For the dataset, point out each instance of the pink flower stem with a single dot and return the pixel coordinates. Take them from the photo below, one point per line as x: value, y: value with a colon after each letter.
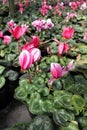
x: 29, y: 78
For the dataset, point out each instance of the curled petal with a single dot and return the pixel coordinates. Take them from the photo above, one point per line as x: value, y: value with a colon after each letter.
x: 70, y: 65
x: 51, y: 80
x: 56, y: 70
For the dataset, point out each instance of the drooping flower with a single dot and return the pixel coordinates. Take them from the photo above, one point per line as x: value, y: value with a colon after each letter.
x: 57, y: 71
x: 62, y: 48
x: 36, y: 55
x: 68, y: 32
x: 25, y: 60
x: 6, y: 39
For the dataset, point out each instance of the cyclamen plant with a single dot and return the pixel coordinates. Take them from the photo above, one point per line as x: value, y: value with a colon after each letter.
x: 47, y: 52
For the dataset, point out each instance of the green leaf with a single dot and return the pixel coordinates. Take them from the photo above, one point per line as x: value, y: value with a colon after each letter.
x: 20, y: 93
x: 2, y: 68
x: 2, y: 81
x: 44, y: 91
x: 35, y: 104
x: 23, y: 82
x: 41, y: 123
x: 83, y: 122
x: 57, y: 85
x: 78, y: 102
x: 72, y: 126
x: 12, y: 75
x: 62, y: 99
x: 62, y: 117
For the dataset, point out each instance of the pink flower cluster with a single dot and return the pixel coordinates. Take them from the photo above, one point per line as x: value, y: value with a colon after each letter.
x: 74, y: 5
x: 57, y: 71
x: 83, y: 6
x: 60, y: 6
x: 17, y: 30
x: 42, y: 24
x: 45, y: 8
x: 30, y: 53
x: 70, y: 16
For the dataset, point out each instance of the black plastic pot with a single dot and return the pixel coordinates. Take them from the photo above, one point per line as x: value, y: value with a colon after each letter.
x: 5, y: 97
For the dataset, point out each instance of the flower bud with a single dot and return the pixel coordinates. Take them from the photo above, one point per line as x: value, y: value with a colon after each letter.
x: 25, y: 59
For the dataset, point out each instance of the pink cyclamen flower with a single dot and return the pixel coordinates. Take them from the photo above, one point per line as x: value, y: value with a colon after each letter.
x: 25, y: 60
x: 57, y: 71
x: 85, y: 35
x: 68, y: 32
x: 39, y: 24
x: 6, y: 39
x: 45, y: 8
x: 48, y: 24
x: 19, y: 31
x: 63, y: 48
x: 1, y: 34
x: 11, y: 23
x: 73, y: 5
x: 35, y: 41
x: 36, y: 55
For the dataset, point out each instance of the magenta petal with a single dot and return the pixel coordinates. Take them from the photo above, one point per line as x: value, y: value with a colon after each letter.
x: 56, y: 70
x: 51, y: 80
x: 60, y: 48
x: 25, y: 59
x: 70, y: 65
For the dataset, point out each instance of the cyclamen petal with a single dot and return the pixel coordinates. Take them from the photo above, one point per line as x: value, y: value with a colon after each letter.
x: 25, y: 60
x: 68, y: 32
x: 70, y: 65
x: 56, y: 70
x: 60, y: 48
x: 36, y: 54
x: 6, y: 39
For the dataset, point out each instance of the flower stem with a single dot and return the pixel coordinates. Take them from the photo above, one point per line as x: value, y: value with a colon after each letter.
x: 29, y: 78
x: 35, y: 70
x: 50, y: 87
x: 19, y: 47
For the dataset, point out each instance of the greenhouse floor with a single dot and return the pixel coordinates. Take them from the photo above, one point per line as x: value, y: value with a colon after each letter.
x: 15, y: 112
